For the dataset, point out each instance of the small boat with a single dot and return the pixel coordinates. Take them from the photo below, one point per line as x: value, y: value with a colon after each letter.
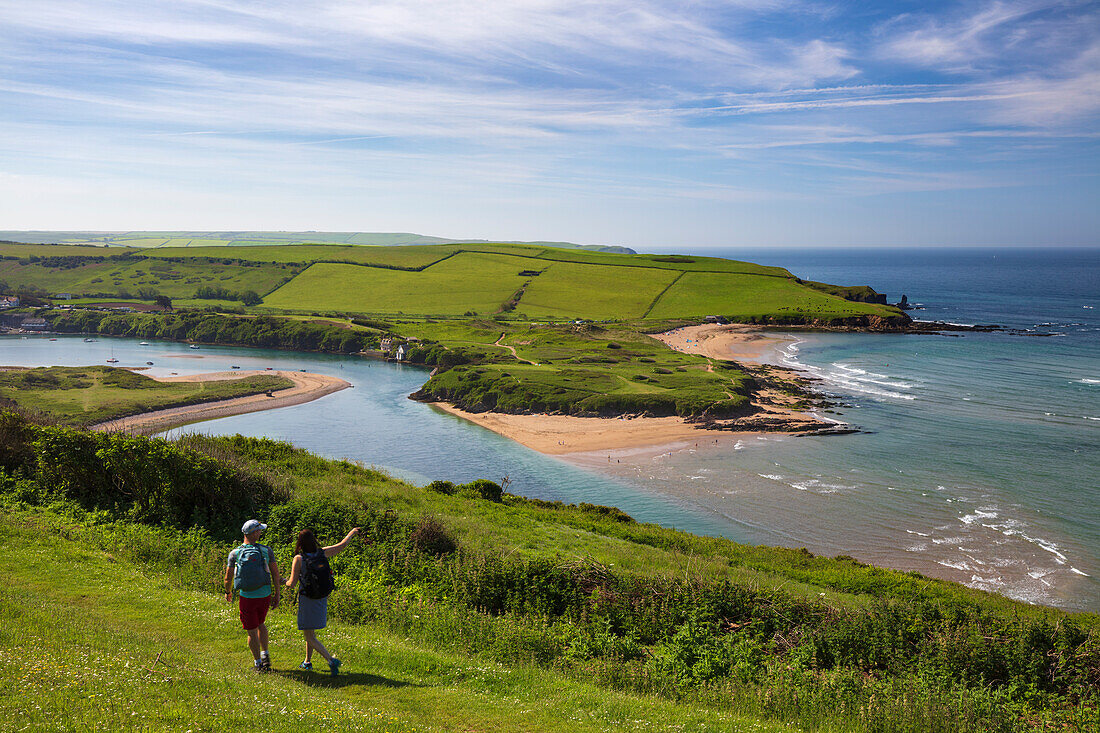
x: 234, y: 367
x: 53, y: 339
x: 143, y: 343
x: 269, y: 369
x: 193, y: 346
x: 112, y: 360
x: 149, y: 363
x: 90, y: 341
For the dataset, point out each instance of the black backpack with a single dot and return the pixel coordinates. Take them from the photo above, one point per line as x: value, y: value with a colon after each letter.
x: 317, y: 580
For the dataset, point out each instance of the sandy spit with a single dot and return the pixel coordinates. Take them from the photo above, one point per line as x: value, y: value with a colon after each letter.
x: 307, y: 387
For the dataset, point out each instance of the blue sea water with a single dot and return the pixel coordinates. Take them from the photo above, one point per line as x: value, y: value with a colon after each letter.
x: 982, y: 453
x: 979, y: 462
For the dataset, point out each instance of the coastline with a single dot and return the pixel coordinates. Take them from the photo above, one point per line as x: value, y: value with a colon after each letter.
x: 308, y: 386
x: 565, y: 435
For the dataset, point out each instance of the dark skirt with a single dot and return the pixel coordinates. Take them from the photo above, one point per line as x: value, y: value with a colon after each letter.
x: 312, y: 613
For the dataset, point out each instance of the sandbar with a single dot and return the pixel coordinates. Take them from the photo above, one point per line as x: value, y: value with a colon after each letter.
x: 307, y: 387
x: 562, y: 434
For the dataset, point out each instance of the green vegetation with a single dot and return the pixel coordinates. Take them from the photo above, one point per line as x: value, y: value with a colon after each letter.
x: 454, y: 279
x: 540, y: 353
x: 643, y: 626
x: 127, y: 275
x: 213, y: 328
x: 95, y: 394
x: 585, y: 370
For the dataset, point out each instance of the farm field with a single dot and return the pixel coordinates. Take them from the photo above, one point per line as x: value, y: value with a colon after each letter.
x: 94, y: 394
x: 752, y: 297
x: 474, y: 282
x: 128, y: 276
x: 412, y: 256
x: 444, y: 280
x: 577, y: 290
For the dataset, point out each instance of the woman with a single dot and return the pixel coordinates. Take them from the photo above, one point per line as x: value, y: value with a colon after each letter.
x: 313, y: 612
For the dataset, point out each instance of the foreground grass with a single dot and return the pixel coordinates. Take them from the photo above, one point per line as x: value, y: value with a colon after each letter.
x: 91, y: 643
x: 93, y: 394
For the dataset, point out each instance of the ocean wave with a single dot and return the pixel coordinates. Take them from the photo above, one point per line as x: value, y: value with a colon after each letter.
x: 1079, y: 572
x: 771, y: 476
x: 954, y: 565
x: 862, y: 375
x: 1089, y: 381
x: 978, y: 514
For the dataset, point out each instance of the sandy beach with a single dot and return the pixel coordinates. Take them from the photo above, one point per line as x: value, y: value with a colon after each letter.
x: 562, y: 434
x: 307, y: 387
x: 730, y: 342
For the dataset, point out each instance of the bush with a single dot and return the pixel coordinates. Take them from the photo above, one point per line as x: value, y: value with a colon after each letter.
x: 481, y: 488
x: 432, y: 538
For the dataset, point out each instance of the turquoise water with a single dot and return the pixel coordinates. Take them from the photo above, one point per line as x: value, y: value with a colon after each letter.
x: 373, y: 423
x: 979, y: 463
x: 983, y: 449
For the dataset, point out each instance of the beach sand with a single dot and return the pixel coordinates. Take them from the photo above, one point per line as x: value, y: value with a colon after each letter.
x: 729, y: 342
x: 565, y: 434
x: 307, y: 387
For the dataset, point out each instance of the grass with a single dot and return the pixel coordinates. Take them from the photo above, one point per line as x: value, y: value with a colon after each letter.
x: 611, y: 624
x: 567, y: 289
x: 446, y: 280
x: 174, y: 279
x: 748, y: 297
x: 88, y: 643
x: 94, y: 394
x: 474, y: 282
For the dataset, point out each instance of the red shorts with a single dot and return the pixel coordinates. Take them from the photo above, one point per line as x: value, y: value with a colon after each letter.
x: 254, y: 611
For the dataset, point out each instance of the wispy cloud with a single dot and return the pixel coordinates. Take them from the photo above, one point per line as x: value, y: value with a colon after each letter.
x: 636, y: 99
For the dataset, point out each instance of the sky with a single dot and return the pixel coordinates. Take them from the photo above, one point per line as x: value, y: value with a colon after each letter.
x: 677, y: 124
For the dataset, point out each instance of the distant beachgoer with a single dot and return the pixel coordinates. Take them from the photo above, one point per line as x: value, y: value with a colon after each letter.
x: 311, y: 567
x: 253, y: 573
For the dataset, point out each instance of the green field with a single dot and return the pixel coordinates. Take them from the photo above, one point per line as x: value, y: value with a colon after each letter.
x: 749, y: 297
x: 94, y: 394
x: 128, y: 276
x: 445, y: 280
x: 475, y: 282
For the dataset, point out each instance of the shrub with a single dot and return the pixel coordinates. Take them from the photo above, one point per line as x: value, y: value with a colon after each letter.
x: 432, y: 538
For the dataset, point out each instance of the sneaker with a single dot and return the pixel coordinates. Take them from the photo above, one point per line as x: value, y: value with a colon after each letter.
x: 258, y: 666
x: 265, y: 664
x: 334, y: 666
x: 307, y: 666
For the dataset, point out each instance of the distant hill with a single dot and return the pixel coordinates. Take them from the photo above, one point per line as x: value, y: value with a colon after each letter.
x: 146, y: 239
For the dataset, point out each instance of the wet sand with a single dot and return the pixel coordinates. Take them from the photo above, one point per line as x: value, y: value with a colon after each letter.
x: 307, y: 387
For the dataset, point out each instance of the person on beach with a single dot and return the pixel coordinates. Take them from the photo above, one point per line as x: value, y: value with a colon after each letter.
x: 253, y: 573
x: 311, y: 567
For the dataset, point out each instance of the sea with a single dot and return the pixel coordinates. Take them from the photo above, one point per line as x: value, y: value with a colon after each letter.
x: 977, y: 461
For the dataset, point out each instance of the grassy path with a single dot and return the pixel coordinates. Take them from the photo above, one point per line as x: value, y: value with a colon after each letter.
x: 89, y: 643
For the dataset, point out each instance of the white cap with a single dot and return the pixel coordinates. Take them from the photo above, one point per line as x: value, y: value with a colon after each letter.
x: 253, y: 525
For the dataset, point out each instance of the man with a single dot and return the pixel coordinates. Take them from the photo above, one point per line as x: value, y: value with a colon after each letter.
x: 254, y: 574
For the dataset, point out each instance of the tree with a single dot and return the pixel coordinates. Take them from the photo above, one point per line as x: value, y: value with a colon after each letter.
x: 250, y: 297
x: 164, y: 302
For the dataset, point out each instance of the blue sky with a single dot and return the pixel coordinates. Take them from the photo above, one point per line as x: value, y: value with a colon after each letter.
x: 649, y: 124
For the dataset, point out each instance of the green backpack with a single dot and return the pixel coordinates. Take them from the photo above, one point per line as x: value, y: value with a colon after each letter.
x: 251, y: 573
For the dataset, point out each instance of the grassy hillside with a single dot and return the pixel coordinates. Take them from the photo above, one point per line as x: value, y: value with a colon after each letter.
x: 94, y: 394
x: 619, y: 624
x: 533, y: 281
